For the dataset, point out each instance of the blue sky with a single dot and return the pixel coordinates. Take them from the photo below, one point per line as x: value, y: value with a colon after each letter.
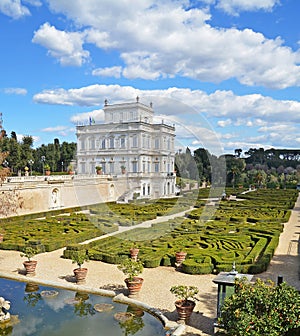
x: 225, y: 72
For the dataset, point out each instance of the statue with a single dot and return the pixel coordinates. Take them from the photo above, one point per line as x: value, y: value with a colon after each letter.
x: 4, y: 307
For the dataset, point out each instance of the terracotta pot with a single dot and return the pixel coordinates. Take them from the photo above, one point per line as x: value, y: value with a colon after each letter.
x: 47, y: 172
x: 80, y: 275
x: 180, y: 257
x: 1, y: 237
x: 134, y: 286
x: 30, y: 266
x: 184, y: 309
x: 134, y: 253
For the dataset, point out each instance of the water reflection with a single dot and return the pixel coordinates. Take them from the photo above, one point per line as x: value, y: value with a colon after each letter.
x: 71, y: 313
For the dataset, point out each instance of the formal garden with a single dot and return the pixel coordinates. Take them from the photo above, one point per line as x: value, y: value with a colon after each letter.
x: 213, y: 233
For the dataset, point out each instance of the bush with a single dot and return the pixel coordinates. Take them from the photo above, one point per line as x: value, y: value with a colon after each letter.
x: 260, y: 309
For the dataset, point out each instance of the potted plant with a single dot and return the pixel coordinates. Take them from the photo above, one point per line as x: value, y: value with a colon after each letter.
x: 98, y: 170
x: 70, y: 170
x: 79, y: 257
x: 132, y: 268
x: 180, y: 255
x: 134, y: 251
x: 123, y: 169
x: 29, y: 264
x: 47, y: 169
x: 185, y: 304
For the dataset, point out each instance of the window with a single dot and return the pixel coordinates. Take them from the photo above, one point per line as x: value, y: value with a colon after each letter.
x: 111, y: 142
x: 156, y: 167
x: 92, y: 143
x: 134, y: 167
x: 134, y: 141
x: 92, y: 167
x: 103, y: 146
x: 82, y: 144
x: 111, y: 167
x: 82, y: 167
x: 122, y: 142
x: 156, y: 143
x: 144, y: 141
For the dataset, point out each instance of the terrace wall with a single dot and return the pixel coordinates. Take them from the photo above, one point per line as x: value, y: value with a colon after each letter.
x: 39, y: 194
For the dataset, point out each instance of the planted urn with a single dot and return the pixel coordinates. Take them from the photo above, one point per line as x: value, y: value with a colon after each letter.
x: 185, y: 303
x: 80, y: 273
x: 30, y: 265
x: 132, y: 268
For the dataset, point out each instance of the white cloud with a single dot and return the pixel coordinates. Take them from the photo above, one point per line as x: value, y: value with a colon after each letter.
x: 21, y: 136
x: 165, y: 39
x: 17, y: 91
x: 65, y: 46
x: 233, y: 7
x: 36, y: 3
x: 190, y: 111
x: 217, y: 104
x: 224, y: 123
x: 13, y: 9
x: 108, y: 72
x: 84, y: 118
x: 54, y: 129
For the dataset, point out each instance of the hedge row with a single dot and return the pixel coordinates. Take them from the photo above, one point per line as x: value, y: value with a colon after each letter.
x: 212, y: 245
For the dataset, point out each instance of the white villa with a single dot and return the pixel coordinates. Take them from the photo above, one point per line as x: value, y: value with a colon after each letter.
x: 129, y: 146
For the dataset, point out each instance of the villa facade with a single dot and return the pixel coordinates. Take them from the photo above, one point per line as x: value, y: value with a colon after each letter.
x: 131, y: 146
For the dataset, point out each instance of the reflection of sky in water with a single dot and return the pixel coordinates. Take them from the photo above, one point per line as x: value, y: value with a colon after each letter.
x: 54, y: 316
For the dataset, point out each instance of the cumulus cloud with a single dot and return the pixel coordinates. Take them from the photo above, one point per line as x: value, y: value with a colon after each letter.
x: 85, y: 117
x: 108, y: 72
x: 193, y: 111
x: 233, y: 7
x: 224, y: 123
x: 166, y: 39
x: 64, y: 46
x: 221, y: 104
x: 13, y: 9
x: 17, y: 91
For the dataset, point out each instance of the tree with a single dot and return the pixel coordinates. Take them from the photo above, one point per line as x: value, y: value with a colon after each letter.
x: 238, y: 152
x: 260, y: 309
x: 10, y: 200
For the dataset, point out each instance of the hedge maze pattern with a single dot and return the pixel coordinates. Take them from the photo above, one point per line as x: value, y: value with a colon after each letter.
x: 214, y: 234
x: 244, y: 231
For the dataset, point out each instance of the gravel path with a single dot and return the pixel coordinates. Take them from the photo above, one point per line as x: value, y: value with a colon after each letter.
x: 157, y: 282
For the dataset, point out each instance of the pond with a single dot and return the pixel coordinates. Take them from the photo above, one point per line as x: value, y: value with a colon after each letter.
x: 45, y: 311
